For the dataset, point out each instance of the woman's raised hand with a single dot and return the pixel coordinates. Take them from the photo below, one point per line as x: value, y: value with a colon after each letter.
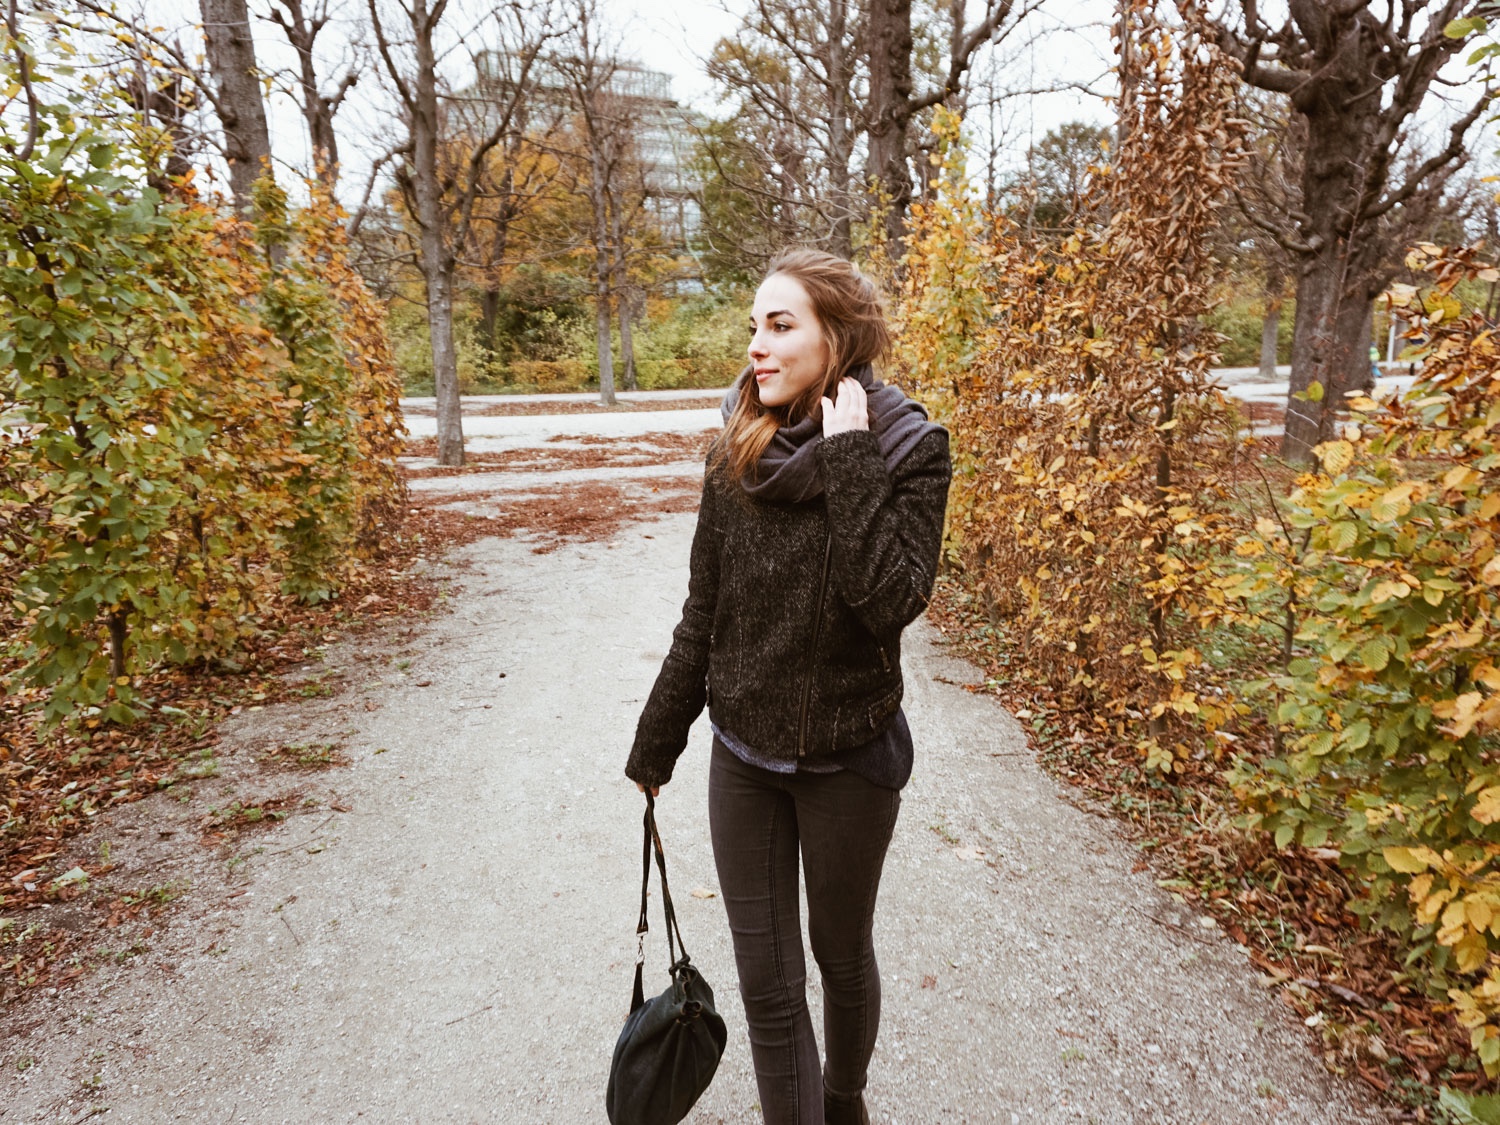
x: 850, y: 412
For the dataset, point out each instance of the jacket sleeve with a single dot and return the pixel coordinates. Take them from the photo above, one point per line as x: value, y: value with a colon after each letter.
x: 681, y: 688
x: 887, y: 526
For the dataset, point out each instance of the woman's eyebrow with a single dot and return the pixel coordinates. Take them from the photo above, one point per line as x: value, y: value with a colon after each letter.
x: 778, y: 312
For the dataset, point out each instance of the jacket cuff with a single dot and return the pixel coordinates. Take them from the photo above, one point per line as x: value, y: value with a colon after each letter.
x: 850, y: 447
x: 648, y: 770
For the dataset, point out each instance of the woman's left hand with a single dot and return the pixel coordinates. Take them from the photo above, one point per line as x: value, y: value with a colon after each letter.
x: 850, y: 412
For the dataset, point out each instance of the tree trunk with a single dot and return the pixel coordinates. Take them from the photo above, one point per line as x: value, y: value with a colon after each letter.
x: 437, y: 261
x: 603, y: 268
x: 1328, y: 348
x: 117, y: 637
x: 890, y: 38
x: 1270, y: 325
x: 317, y: 110
x: 601, y: 334
x: 489, y: 318
x: 489, y: 302
x: 840, y: 135
x: 627, y: 343
x: 622, y: 296
x: 242, y: 112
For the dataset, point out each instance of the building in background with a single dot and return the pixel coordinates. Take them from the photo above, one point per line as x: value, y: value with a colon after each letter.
x: 661, y: 134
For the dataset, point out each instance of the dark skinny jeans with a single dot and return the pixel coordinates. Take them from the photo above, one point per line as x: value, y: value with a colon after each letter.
x: 842, y: 824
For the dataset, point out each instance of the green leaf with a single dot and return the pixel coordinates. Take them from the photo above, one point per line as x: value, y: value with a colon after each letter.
x: 1284, y: 835
x: 1342, y: 536
x: 1374, y: 654
x: 1356, y: 735
x: 1472, y: 1109
x: 1461, y: 28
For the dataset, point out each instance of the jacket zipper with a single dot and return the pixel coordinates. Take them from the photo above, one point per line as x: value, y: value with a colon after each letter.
x: 812, y: 655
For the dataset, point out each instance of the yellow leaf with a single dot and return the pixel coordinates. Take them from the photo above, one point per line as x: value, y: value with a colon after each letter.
x: 1491, y: 572
x: 1486, y: 809
x: 1471, y: 953
x: 1057, y: 464
x: 1336, y: 456
x: 1386, y: 590
x: 1454, y: 917
x: 1430, y: 906
x: 1396, y: 502
x: 1463, y: 711
x: 1458, y: 476
x: 1405, y: 860
x: 1401, y: 294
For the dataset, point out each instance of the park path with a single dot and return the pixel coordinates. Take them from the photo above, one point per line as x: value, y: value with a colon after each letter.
x: 450, y: 938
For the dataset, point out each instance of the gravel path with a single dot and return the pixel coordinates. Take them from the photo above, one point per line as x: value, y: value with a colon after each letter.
x: 449, y: 938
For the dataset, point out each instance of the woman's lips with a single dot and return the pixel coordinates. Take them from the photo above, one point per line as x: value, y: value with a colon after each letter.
x: 762, y: 376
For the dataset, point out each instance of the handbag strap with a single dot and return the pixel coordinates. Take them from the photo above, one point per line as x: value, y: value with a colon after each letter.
x: 653, y: 843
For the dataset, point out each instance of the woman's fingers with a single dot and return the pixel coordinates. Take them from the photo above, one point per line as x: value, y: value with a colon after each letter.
x: 850, y: 412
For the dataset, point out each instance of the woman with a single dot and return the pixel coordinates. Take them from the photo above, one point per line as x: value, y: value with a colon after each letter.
x: 817, y: 542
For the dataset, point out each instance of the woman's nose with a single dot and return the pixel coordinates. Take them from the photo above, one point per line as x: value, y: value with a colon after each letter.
x: 758, y: 347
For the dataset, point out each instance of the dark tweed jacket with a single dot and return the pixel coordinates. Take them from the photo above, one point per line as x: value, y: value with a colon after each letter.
x: 791, y: 632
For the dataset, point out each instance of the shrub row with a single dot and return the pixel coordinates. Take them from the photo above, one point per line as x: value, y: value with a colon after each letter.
x: 200, y: 416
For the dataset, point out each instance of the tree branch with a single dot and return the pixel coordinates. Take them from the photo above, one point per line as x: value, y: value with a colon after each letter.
x: 1455, y: 154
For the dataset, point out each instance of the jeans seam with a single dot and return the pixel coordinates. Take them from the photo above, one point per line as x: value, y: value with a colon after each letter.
x: 867, y: 910
x: 784, y: 988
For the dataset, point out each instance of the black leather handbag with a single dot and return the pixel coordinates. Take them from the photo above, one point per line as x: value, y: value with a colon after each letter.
x: 671, y: 1044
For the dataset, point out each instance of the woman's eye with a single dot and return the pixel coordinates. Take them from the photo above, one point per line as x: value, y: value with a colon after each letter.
x: 783, y: 327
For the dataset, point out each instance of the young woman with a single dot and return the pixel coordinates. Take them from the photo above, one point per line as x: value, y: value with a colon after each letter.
x: 817, y: 542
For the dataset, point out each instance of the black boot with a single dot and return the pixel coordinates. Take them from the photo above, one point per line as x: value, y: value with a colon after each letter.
x: 844, y: 1111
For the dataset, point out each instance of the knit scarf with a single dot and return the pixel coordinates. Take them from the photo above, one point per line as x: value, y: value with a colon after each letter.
x: 788, y: 470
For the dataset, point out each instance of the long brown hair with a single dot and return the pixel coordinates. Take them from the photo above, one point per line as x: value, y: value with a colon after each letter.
x: 849, y: 312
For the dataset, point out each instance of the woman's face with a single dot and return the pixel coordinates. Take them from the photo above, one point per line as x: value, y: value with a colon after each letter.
x: 787, y: 347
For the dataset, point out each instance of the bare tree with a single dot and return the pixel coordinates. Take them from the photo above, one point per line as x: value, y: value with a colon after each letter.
x: 895, y: 102
x: 591, y: 68
x: 797, y: 71
x: 1356, y: 80
x: 820, y: 83
x: 242, y: 110
x: 443, y: 206
x: 302, y: 28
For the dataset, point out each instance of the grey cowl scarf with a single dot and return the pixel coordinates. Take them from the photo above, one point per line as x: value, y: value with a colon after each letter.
x: 788, y: 470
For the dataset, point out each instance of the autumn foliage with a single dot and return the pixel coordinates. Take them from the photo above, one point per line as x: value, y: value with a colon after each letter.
x: 1388, y: 712
x: 200, y: 415
x: 1314, y: 654
x: 1090, y: 441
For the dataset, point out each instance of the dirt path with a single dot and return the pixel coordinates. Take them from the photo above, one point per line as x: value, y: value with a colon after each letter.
x: 444, y: 932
